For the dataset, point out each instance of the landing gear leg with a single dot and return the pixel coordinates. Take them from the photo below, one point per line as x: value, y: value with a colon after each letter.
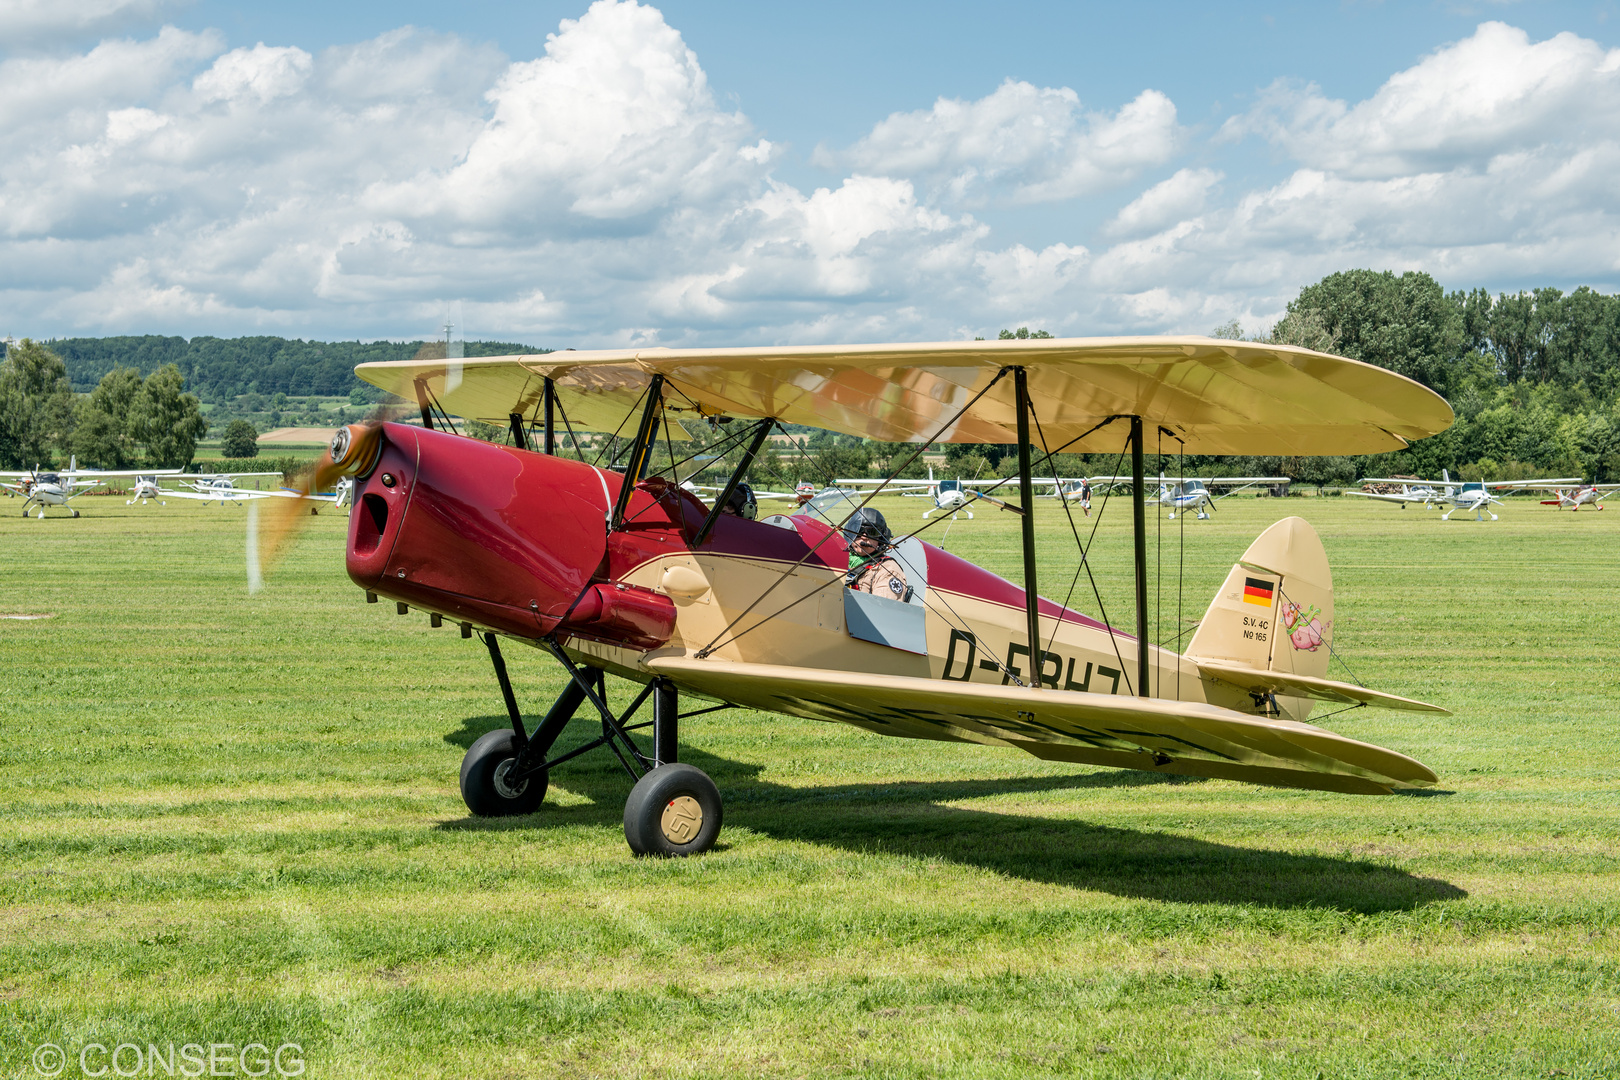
x: 497, y: 775
x: 675, y: 809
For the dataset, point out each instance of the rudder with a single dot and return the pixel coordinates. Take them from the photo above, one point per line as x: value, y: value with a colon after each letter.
x: 1274, y: 612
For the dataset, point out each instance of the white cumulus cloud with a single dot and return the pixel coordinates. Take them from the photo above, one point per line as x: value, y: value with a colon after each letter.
x: 1166, y: 202
x: 1025, y: 143
x: 1494, y: 93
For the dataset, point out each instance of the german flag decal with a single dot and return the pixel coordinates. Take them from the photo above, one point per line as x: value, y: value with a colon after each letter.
x: 1257, y: 591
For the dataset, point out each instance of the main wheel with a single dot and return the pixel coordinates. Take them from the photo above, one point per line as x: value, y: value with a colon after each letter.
x: 484, y: 785
x: 673, y: 810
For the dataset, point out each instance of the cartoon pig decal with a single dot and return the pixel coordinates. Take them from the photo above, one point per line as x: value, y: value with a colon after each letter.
x: 1305, y: 628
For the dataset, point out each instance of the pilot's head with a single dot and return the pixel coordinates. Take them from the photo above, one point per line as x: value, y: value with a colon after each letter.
x: 867, y: 532
x: 741, y: 503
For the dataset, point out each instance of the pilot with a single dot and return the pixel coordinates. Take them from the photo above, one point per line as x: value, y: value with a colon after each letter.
x: 872, y: 565
x: 742, y: 503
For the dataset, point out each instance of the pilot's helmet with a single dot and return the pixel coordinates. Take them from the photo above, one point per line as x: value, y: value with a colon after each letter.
x: 742, y: 503
x: 867, y: 522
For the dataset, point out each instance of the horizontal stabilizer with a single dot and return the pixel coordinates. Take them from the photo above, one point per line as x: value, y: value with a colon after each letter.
x: 1282, y: 682
x: 1154, y: 735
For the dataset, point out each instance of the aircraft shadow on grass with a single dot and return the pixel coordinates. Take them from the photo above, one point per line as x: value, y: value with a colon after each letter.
x: 910, y: 818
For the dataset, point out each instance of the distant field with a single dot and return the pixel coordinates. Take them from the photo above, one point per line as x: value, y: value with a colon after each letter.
x: 298, y: 436
x: 234, y: 819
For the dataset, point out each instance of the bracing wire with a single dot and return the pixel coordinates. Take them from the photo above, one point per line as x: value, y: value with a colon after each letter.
x: 612, y: 441
x: 1333, y: 653
x: 707, y: 649
x: 1085, y: 561
x: 578, y: 453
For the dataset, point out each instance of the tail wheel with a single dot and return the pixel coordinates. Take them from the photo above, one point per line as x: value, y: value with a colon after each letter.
x: 486, y: 784
x: 673, y: 810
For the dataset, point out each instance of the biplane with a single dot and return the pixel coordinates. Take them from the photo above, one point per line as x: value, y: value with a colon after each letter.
x: 622, y: 573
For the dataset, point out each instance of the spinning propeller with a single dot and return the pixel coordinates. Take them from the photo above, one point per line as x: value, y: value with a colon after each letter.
x: 353, y: 452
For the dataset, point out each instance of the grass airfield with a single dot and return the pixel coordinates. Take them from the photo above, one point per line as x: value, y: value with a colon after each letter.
x: 234, y: 819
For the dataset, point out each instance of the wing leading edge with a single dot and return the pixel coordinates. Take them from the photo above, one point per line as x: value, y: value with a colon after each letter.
x: 1177, y: 737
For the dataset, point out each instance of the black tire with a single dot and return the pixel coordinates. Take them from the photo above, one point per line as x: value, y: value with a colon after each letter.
x: 483, y: 786
x: 673, y: 810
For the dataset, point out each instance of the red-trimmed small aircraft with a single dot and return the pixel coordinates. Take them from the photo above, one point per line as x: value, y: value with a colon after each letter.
x: 617, y: 572
x: 1579, y: 496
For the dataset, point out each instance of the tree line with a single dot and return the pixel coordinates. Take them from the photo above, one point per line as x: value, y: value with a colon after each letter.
x: 221, y: 369
x: 1534, y: 377
x: 131, y: 402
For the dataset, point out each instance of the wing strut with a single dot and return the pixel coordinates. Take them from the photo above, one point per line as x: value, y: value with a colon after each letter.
x: 1026, y: 494
x: 640, y: 451
x: 550, y: 407
x: 761, y: 430
x: 422, y: 400
x: 1139, y: 523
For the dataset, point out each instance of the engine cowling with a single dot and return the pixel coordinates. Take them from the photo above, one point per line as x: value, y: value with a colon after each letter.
x: 481, y: 533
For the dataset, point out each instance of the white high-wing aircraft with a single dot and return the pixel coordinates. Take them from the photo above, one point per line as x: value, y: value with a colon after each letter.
x: 1577, y: 497
x: 44, y: 489
x: 1421, y: 492
x: 1464, y: 495
x: 950, y: 496
x: 221, y: 488
x: 1183, y: 494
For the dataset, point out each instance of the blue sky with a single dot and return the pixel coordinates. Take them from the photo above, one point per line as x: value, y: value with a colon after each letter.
x: 727, y: 172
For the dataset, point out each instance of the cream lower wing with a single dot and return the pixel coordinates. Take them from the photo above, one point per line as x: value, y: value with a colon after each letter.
x: 1185, y: 738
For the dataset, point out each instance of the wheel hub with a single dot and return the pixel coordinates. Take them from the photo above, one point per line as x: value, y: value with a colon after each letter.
x: 682, y: 820
x: 504, y: 789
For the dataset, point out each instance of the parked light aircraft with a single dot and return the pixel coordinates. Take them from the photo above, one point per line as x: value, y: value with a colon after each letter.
x: 1421, y: 492
x: 1463, y: 495
x: 145, y: 490
x: 1577, y: 497
x: 44, y: 489
x: 1183, y: 495
x: 221, y: 488
x: 952, y: 496
x: 622, y: 574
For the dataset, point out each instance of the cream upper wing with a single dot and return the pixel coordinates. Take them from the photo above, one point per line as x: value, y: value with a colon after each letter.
x: 1125, y: 732
x: 1218, y: 396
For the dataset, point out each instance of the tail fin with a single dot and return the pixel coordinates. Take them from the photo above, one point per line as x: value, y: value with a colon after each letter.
x: 1275, y: 610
